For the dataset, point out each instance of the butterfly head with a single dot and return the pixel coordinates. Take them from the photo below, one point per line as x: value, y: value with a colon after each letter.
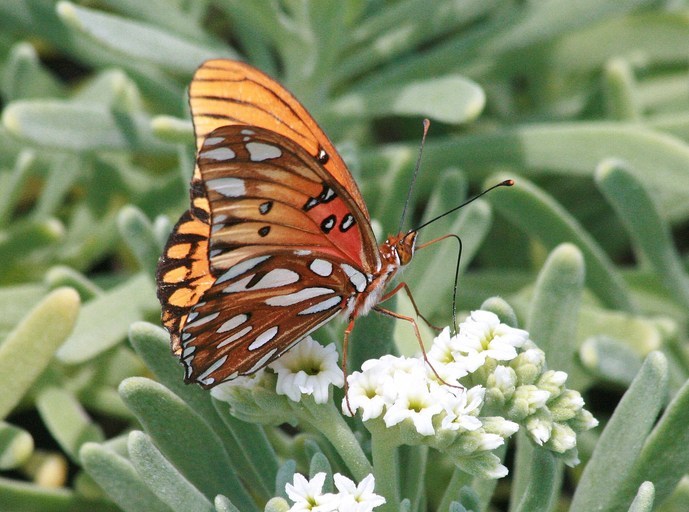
x: 401, y: 247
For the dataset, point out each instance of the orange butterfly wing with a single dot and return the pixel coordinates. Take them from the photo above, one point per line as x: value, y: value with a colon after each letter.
x: 223, y: 93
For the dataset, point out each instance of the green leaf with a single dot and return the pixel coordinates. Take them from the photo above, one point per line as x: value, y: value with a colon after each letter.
x: 250, y: 440
x: 502, y: 309
x: 539, y: 215
x: 28, y: 349
x: 16, y: 446
x: 285, y: 476
x: 664, y: 459
x: 450, y: 99
x: 554, y: 309
x: 139, y: 41
x: 172, y: 129
x: 63, y: 125
x: 557, y: 149
x: 62, y: 174
x: 538, y: 495
x: 650, y: 232
x: 24, y: 238
x: 66, y: 276
x: 137, y: 232
x: 641, y: 334
x: 173, y: 17
x: 12, y: 185
x: 619, y: 91
x: 610, y: 359
x: 104, y: 321
x: 320, y: 464
x: 655, y: 34
x: 66, y: 420
x: 25, y: 77
x: 15, y: 301
x: 645, y: 497
x: 223, y: 504
x: 621, y: 443
x: 118, y: 478
x: 252, y: 457
x: 402, y: 26
x: 19, y: 496
x: 162, y: 477
x: 185, y: 439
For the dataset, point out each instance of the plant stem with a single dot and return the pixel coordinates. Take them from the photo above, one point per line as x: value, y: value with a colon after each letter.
x: 386, y: 468
x: 327, y: 419
x: 459, y: 479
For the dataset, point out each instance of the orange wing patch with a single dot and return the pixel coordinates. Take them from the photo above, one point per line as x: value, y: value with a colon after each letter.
x: 183, y: 273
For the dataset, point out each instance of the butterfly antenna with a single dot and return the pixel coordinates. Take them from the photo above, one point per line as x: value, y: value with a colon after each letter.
x: 506, y: 183
x: 426, y: 126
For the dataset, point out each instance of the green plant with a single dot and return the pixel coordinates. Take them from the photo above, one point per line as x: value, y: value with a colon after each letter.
x: 583, y: 103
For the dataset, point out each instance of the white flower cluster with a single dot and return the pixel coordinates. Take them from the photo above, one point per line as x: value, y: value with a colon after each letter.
x: 407, y: 394
x: 481, y: 384
x: 519, y: 387
x: 500, y: 379
x: 308, y: 495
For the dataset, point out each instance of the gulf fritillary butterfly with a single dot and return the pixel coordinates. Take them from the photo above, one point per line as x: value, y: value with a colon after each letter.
x: 277, y: 240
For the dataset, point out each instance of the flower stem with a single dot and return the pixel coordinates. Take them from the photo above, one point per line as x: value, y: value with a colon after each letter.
x: 459, y: 479
x: 413, y: 473
x: 327, y: 420
x: 386, y: 468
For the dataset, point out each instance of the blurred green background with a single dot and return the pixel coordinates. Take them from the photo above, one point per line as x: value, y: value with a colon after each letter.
x: 585, y: 104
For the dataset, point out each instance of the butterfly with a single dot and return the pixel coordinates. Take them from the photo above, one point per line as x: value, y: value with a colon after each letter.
x: 277, y: 240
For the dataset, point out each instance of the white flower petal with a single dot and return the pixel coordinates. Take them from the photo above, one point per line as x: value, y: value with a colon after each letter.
x: 308, y: 369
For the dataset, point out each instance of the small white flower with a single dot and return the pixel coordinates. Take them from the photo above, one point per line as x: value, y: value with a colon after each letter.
x: 225, y: 390
x: 499, y: 425
x: 462, y: 408
x: 483, y: 333
x: 528, y: 399
x: 307, y: 495
x: 563, y: 438
x: 536, y: 357
x: 357, y: 498
x: 415, y: 401
x: 540, y: 429
x: 487, y: 442
x: 447, y: 361
x: 583, y: 421
x: 442, y: 349
x: 308, y: 369
x: 366, y: 393
x: 505, y: 379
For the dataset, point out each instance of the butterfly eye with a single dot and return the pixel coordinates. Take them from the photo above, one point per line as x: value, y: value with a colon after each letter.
x: 405, y: 247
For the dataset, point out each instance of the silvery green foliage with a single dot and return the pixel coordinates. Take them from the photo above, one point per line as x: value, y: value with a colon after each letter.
x: 583, y: 103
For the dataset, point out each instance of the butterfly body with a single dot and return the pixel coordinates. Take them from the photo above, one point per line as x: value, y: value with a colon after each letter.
x: 277, y: 240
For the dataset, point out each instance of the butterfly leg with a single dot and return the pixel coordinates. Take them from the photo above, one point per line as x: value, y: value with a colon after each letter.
x: 392, y: 314
x: 454, y: 288
x: 405, y: 286
x: 345, y: 344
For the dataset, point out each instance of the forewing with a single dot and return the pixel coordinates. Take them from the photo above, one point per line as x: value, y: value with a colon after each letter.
x: 225, y: 92
x: 266, y: 193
